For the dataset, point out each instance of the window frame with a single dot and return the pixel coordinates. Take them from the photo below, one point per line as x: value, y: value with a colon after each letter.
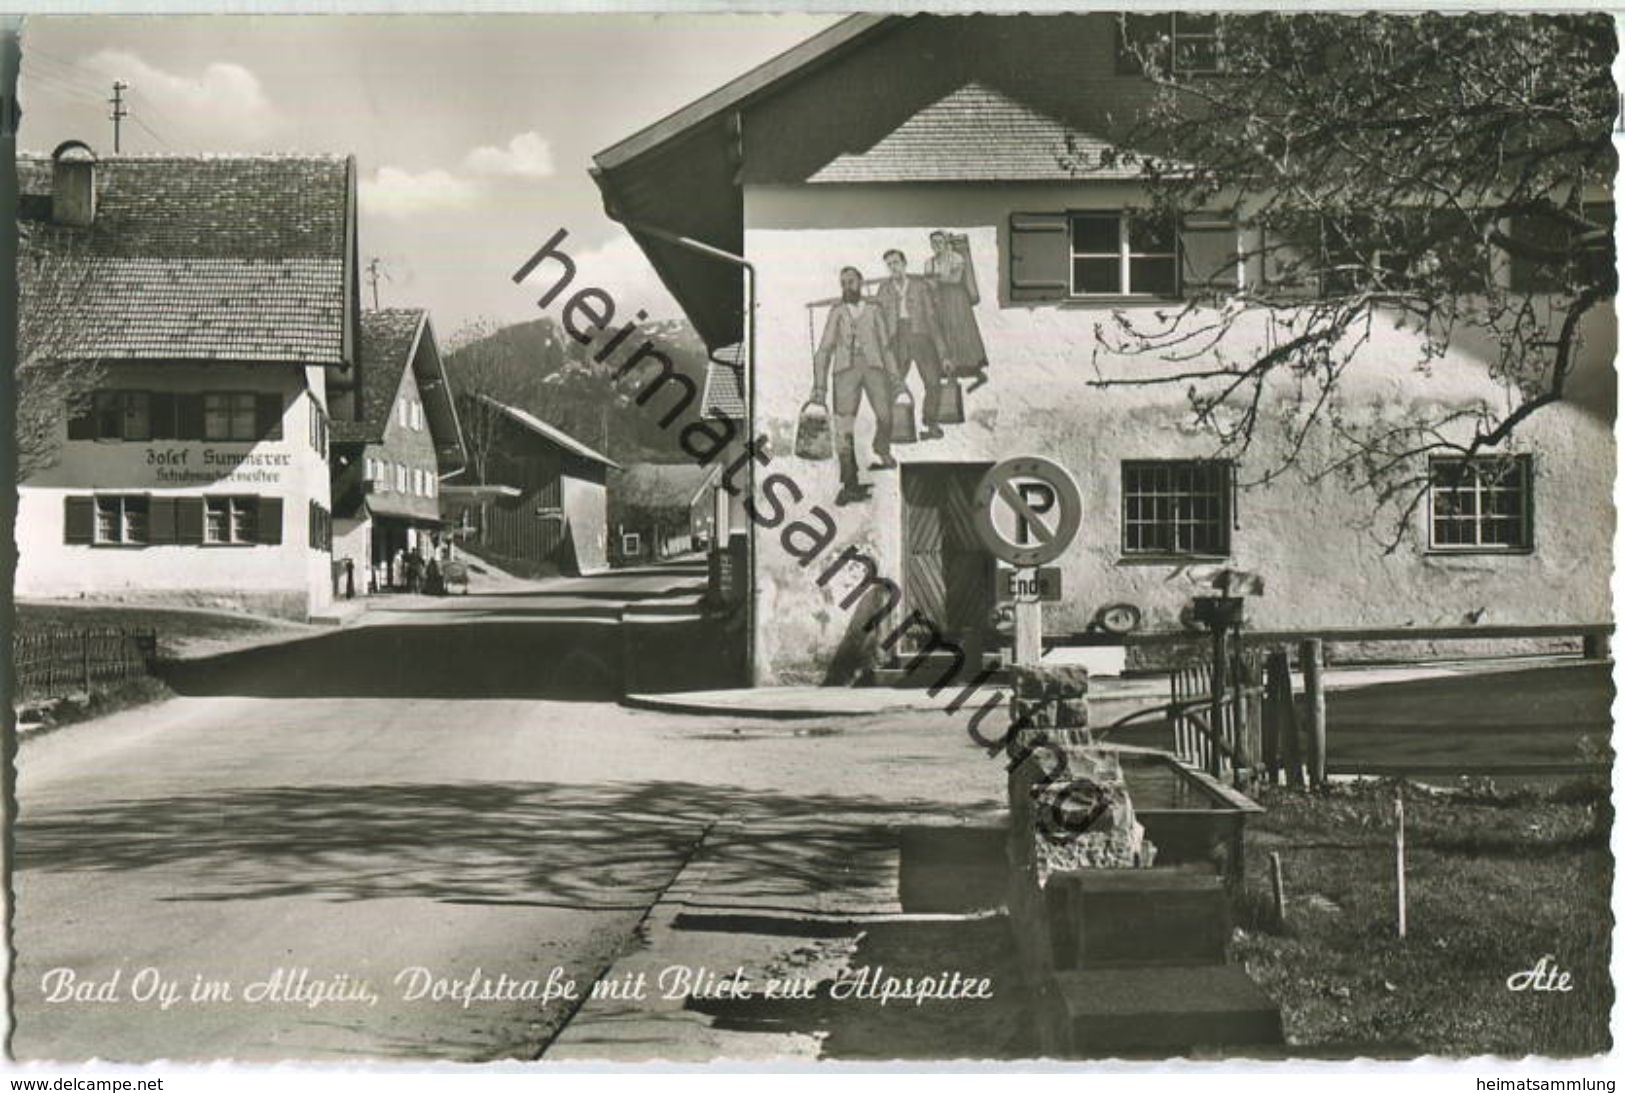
x: 1128, y: 64
x: 1125, y: 255
x: 1223, y: 522
x: 1524, y: 519
x: 236, y: 404
x: 239, y: 509
x: 126, y: 504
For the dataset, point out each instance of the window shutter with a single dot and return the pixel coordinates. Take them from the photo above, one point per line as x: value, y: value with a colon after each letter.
x: 161, y: 520
x: 1209, y: 255
x: 1289, y: 263
x: 268, y: 417
x: 270, y: 520
x: 163, y: 415
x: 189, y: 424
x: 78, y: 519
x: 82, y: 422
x: 1040, y: 252
x: 189, y: 518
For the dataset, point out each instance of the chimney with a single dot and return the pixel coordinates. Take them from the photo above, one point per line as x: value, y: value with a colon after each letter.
x: 73, y: 184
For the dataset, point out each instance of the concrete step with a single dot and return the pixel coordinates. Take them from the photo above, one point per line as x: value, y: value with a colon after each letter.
x: 1162, y: 1011
x: 1102, y: 918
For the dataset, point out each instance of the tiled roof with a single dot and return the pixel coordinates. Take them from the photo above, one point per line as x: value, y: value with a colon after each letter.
x: 387, y: 337
x: 206, y: 309
x: 725, y: 384
x: 976, y: 134
x: 205, y: 257
x: 551, y: 432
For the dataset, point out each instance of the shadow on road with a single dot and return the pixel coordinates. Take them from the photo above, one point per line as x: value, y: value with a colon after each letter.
x: 606, y: 847
x: 572, y: 661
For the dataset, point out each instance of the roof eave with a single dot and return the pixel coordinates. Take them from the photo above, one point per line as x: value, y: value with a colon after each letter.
x: 737, y: 92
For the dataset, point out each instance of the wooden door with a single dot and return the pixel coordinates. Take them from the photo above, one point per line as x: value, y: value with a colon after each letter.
x: 947, y: 574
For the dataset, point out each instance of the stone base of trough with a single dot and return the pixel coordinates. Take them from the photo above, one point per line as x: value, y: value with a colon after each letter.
x: 1160, y: 1011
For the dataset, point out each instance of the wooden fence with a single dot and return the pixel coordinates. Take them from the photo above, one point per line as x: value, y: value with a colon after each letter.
x: 56, y: 663
x: 1235, y: 748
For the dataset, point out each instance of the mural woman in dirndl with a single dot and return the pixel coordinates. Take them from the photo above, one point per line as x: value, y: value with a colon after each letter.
x: 951, y: 274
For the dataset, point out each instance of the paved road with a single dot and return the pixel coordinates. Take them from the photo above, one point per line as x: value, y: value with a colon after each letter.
x: 448, y: 786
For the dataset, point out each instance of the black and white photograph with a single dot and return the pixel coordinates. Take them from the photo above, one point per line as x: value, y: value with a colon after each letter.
x: 790, y: 538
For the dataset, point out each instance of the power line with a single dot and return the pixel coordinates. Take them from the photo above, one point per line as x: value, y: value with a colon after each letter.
x: 152, y: 133
x: 58, y: 86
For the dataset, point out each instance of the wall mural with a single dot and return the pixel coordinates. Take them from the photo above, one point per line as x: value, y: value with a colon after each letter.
x: 877, y: 335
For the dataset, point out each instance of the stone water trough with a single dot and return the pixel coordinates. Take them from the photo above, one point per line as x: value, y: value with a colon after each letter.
x: 1123, y: 864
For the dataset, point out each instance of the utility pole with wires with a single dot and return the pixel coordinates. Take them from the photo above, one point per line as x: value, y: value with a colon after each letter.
x: 375, y: 273
x: 119, y: 113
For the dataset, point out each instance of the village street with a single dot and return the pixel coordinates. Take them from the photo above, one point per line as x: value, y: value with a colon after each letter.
x: 448, y: 786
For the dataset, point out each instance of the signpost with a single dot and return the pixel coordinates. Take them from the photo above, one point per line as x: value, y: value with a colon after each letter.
x: 1028, y: 510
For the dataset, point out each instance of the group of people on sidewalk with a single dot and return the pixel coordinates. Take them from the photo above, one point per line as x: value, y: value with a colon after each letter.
x: 923, y: 323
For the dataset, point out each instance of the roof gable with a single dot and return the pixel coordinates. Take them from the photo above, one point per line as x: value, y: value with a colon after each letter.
x: 388, y: 336
x: 552, y: 433
x: 977, y: 134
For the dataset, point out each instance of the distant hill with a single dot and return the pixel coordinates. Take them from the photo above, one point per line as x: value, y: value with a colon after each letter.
x: 536, y: 366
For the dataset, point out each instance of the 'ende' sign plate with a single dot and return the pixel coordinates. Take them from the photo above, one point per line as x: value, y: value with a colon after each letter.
x: 1042, y: 585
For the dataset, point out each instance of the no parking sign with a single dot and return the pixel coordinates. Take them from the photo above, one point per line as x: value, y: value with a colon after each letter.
x: 1028, y: 509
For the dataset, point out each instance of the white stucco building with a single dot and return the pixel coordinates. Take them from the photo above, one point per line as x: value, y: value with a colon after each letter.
x: 219, y: 295
x: 883, y: 131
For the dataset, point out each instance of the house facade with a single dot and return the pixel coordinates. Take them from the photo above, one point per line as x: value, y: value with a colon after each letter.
x: 217, y: 295
x: 650, y: 511
x: 388, y: 464
x: 955, y: 154
x: 535, y: 499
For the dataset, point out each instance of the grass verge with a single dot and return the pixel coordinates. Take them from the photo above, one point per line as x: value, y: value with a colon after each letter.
x: 182, y: 632
x: 1495, y: 880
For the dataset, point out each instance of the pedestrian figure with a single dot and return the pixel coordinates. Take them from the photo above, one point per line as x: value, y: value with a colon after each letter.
x: 854, y: 348
x: 915, y: 335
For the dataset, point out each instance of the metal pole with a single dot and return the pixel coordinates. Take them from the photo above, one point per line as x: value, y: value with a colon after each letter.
x: 749, y: 377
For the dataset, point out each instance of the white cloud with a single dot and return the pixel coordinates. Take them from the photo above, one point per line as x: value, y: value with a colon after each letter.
x: 396, y: 192
x: 222, y: 100
x: 526, y: 156
x: 620, y: 268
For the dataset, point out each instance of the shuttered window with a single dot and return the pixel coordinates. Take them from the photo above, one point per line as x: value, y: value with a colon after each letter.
x: 321, y: 527
x: 109, y: 519
x: 167, y: 415
x: 1592, y: 263
x: 1109, y: 253
x: 242, y: 520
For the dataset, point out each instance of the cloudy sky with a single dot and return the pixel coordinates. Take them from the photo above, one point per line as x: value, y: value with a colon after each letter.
x: 473, y: 134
